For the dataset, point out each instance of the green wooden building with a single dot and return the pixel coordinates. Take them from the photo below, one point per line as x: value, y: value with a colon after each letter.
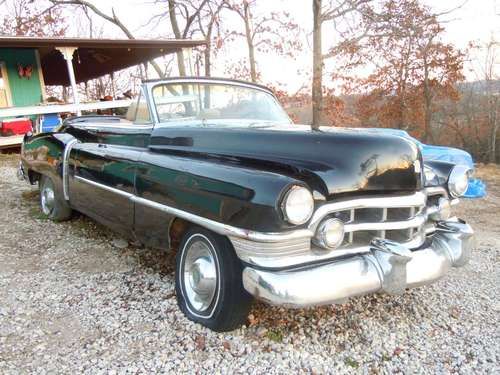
x: 21, y: 78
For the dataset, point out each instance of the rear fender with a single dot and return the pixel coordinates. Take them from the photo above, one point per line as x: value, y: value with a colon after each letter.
x: 43, y: 154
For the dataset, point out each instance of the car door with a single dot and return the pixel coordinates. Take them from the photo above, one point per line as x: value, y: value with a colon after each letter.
x: 105, y: 165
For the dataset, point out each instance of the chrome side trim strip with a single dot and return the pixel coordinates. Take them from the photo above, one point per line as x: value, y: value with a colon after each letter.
x: 104, y: 187
x: 213, y: 225
x: 65, y: 169
x: 225, y: 229
x: 103, y: 126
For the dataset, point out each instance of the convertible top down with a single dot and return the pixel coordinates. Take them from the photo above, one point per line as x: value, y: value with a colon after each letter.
x: 254, y: 205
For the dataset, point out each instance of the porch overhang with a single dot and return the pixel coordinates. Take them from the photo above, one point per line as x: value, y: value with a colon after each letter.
x: 94, y: 58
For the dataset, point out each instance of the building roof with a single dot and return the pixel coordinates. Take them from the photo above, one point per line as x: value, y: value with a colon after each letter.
x: 95, y: 57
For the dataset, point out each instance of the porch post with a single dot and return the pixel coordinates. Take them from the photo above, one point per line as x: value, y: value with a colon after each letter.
x: 67, y: 53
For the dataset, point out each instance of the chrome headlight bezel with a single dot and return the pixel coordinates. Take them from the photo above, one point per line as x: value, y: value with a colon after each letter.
x: 330, y: 234
x: 297, y: 205
x: 458, y: 180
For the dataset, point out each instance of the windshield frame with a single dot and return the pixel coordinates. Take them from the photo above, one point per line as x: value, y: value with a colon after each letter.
x: 152, y: 84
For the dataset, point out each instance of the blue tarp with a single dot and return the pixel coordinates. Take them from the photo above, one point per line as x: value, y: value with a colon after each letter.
x: 477, y: 188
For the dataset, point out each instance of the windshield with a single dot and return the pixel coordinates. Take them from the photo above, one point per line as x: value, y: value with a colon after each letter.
x: 215, y: 101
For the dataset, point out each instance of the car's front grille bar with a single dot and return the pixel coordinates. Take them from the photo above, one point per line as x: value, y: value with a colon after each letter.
x: 417, y: 199
x: 382, y: 226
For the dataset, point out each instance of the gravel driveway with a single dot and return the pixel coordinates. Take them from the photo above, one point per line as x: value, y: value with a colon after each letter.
x: 74, y: 298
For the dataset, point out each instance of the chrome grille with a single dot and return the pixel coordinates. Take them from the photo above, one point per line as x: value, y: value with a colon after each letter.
x: 397, y: 224
x: 399, y: 218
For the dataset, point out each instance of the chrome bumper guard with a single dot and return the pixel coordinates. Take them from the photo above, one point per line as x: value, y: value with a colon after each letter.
x: 389, y: 267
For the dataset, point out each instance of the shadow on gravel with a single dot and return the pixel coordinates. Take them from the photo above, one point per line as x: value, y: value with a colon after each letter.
x: 347, y: 316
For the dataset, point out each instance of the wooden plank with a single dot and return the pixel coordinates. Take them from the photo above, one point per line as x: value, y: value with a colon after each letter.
x: 62, y: 108
x: 12, y: 141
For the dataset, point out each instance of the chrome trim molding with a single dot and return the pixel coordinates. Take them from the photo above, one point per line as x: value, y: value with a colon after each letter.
x: 225, y: 229
x: 103, y: 126
x: 65, y: 168
x: 388, y: 267
x: 152, y: 84
x: 104, y: 187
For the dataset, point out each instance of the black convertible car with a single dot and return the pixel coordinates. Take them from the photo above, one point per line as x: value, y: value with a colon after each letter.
x: 254, y: 205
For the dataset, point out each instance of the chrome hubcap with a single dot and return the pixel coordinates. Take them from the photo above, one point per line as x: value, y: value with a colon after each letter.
x: 47, y: 200
x: 200, y: 275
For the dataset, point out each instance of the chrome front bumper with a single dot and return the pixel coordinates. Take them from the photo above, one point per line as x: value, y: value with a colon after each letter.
x: 389, y: 267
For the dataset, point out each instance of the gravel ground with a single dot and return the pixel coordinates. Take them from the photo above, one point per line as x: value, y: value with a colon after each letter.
x: 75, y: 299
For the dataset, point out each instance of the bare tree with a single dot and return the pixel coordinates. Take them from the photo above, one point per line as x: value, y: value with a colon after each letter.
x: 208, y: 22
x: 113, y: 18
x: 175, y: 6
x: 243, y: 10
x: 187, y: 19
x: 333, y: 11
x: 264, y: 32
x: 492, y: 95
x: 27, y: 18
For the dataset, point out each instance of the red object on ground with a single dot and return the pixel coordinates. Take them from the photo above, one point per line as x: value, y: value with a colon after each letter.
x: 15, y: 126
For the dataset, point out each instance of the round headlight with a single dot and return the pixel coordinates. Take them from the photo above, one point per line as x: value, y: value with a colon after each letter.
x: 458, y: 182
x: 298, y: 205
x: 330, y: 234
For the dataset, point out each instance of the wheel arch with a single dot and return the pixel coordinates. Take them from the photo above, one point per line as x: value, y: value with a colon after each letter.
x: 177, y: 228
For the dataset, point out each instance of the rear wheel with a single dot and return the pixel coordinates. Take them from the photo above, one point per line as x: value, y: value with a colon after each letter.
x: 52, y: 204
x: 208, y: 281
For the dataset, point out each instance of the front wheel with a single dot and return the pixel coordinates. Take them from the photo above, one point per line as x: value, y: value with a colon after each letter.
x: 208, y: 281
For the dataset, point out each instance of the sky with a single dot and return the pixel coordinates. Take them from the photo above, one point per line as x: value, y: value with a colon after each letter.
x: 470, y: 20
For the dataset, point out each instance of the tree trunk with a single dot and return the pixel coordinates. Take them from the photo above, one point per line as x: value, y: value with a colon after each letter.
x: 251, y: 47
x: 175, y: 28
x: 208, y: 49
x: 317, y: 85
x: 493, y: 117
x: 207, y: 74
x: 207, y: 53
x: 427, y: 104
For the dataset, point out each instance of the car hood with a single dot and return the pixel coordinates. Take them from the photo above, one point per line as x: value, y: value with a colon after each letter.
x: 330, y: 160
